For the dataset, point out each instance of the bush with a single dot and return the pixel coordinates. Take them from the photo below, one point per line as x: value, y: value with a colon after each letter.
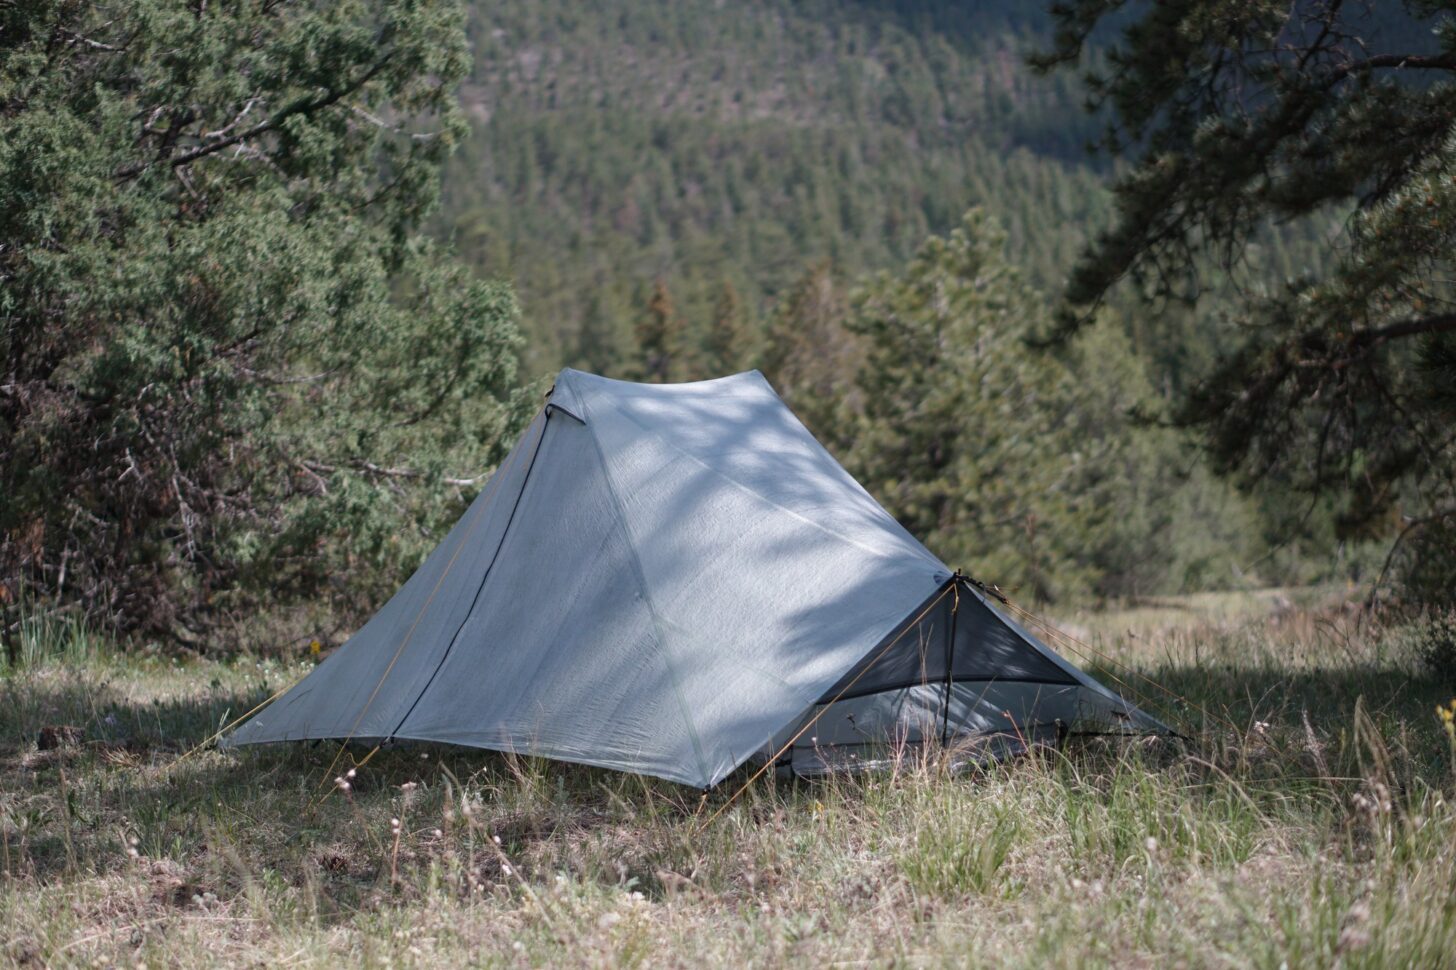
x: 1427, y: 567
x: 1433, y: 642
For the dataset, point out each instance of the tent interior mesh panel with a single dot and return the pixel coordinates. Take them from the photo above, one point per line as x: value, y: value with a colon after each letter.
x: 671, y: 580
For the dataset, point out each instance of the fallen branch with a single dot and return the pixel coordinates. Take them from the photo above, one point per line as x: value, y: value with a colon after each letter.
x: 369, y: 467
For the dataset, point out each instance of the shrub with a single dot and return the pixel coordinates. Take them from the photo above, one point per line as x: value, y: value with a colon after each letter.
x: 1433, y: 642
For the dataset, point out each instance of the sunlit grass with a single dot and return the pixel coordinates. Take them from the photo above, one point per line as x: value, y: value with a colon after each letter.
x: 1306, y: 821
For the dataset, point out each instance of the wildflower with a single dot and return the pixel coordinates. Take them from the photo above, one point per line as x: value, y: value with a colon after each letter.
x: 1447, y: 716
x: 495, y: 839
x: 349, y: 774
x: 438, y: 834
x: 408, y: 786
x: 505, y: 868
x: 341, y: 784
x: 314, y: 647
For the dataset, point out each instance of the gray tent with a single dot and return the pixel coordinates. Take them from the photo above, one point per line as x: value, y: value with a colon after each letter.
x: 672, y: 580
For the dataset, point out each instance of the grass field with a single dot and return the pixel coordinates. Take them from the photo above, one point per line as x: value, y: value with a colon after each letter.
x: 1307, y: 821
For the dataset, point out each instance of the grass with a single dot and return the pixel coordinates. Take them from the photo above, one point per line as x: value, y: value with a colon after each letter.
x: 1308, y: 822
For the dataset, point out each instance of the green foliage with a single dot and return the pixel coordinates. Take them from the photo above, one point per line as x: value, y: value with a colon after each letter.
x: 780, y: 151
x: 40, y: 637
x: 232, y: 366
x: 1132, y: 816
x: 730, y: 344
x: 1431, y: 641
x: 960, y: 848
x: 660, y: 339
x: 1022, y: 467
x: 811, y: 358
x: 1337, y: 384
x: 700, y: 143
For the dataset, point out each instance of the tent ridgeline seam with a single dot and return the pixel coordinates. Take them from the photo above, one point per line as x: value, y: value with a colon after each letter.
x: 662, y: 645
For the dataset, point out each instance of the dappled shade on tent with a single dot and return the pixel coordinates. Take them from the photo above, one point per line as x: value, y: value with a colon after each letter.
x: 671, y: 580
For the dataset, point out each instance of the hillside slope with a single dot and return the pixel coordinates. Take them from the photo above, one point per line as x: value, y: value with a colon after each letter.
x: 701, y: 142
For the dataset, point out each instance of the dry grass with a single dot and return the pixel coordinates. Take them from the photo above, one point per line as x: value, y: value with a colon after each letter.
x: 1307, y: 823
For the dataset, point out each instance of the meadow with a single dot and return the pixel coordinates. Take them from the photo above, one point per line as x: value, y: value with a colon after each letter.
x: 1305, y: 820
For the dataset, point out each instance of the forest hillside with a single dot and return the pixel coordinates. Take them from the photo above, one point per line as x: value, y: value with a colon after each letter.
x: 680, y: 190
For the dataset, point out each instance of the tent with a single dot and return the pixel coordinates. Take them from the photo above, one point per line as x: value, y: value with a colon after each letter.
x: 673, y: 580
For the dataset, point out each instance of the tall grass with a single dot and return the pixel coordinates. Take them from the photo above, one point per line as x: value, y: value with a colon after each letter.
x: 37, y: 637
x: 1318, y: 830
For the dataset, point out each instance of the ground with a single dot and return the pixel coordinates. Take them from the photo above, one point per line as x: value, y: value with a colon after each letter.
x: 1306, y: 820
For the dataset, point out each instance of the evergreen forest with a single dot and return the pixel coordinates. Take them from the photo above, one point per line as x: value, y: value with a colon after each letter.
x: 274, y: 309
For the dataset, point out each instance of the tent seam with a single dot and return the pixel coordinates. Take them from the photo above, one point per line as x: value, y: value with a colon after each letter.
x: 662, y: 645
x: 475, y: 600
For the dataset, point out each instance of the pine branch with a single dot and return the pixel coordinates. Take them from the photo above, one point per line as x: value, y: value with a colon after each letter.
x: 301, y: 106
x: 1362, y: 342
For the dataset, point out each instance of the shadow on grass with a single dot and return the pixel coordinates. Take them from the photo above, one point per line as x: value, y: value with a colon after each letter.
x: 1222, y: 701
x: 228, y: 819
x: 130, y: 775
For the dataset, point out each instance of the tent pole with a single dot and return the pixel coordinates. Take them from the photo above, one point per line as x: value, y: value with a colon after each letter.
x: 955, y: 606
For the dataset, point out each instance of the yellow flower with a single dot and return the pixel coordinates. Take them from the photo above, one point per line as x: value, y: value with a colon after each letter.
x: 314, y: 647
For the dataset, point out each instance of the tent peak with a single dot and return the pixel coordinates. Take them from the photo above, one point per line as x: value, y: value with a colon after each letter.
x: 575, y: 391
x: 571, y: 377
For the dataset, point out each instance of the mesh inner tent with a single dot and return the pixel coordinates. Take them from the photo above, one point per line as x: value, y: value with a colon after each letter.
x: 953, y: 629
x: 998, y: 682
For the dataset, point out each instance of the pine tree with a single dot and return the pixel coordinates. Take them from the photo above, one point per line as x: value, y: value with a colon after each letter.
x: 730, y: 345
x: 659, y: 335
x: 1020, y: 466
x: 1243, y: 114
x: 597, y: 342
x: 808, y: 355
